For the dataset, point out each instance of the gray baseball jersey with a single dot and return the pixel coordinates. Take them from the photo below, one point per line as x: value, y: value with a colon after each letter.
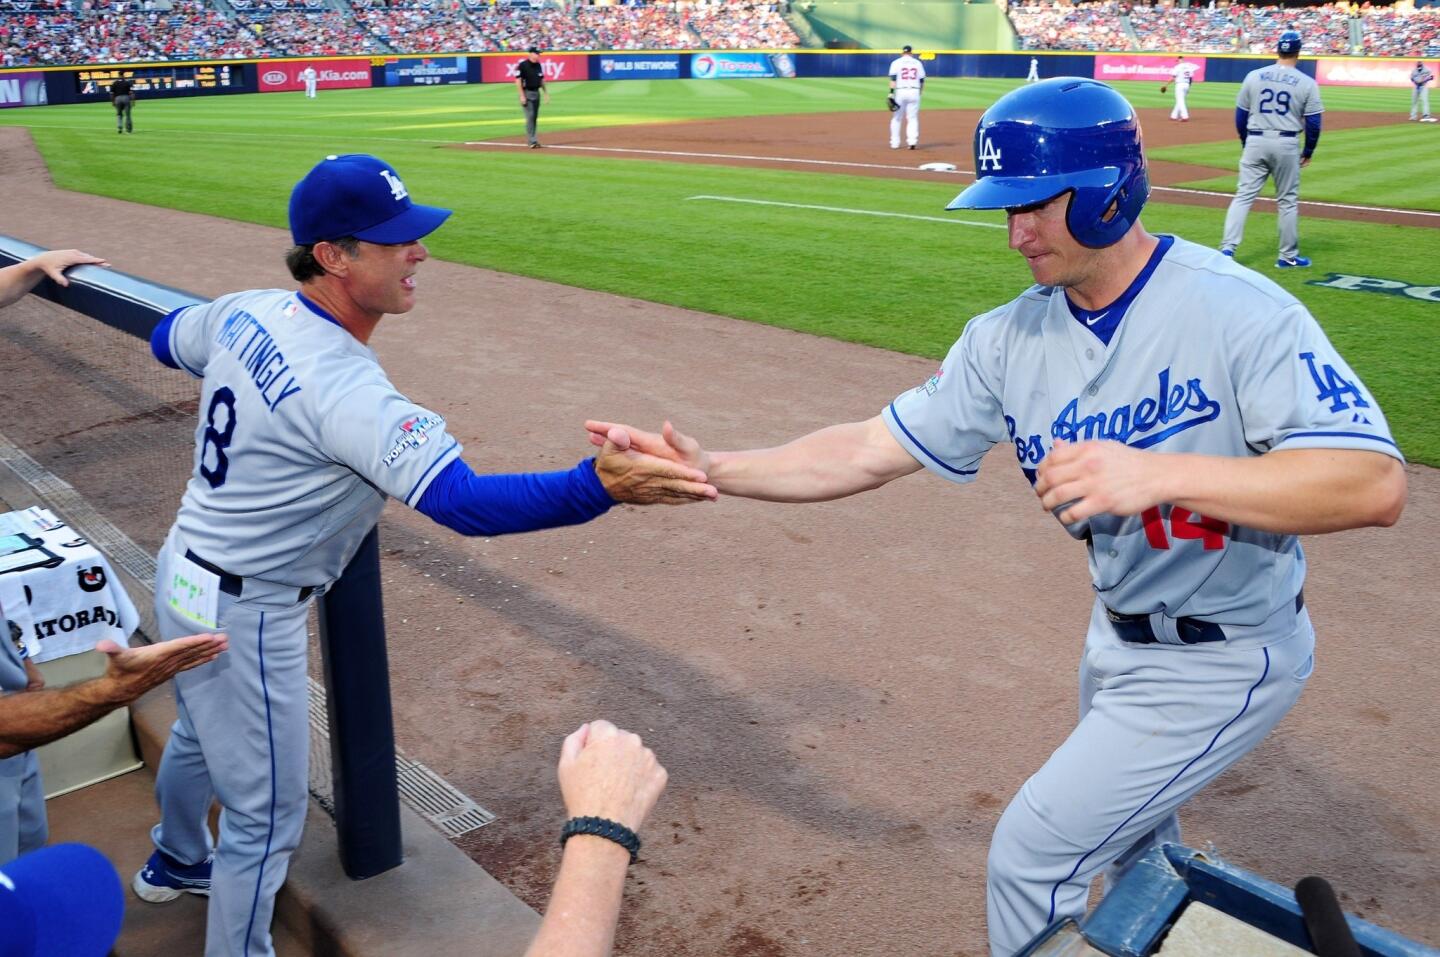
x: 1279, y: 98
x: 1421, y: 75
x: 1209, y: 358
x: 301, y: 437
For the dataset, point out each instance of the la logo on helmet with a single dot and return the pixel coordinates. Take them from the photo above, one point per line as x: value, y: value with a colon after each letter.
x: 989, y: 154
x: 397, y: 188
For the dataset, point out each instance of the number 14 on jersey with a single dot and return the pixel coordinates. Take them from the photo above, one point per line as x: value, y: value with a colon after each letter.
x: 1183, y: 524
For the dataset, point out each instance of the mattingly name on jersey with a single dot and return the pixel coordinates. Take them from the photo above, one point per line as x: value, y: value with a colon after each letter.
x: 259, y: 355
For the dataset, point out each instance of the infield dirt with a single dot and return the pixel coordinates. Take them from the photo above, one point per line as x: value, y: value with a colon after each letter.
x: 846, y: 695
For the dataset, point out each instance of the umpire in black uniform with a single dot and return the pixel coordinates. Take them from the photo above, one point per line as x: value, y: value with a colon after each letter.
x: 123, y: 96
x: 530, y: 81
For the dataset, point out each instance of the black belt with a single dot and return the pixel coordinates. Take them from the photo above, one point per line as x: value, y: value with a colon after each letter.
x: 233, y: 585
x: 1136, y: 629
x: 1290, y: 133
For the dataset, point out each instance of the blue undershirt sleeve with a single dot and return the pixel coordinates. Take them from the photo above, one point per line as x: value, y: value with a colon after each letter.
x: 503, y: 504
x: 160, y: 340
x: 1242, y: 122
x: 1312, y: 134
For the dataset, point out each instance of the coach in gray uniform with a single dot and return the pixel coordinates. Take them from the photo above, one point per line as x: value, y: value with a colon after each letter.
x: 1421, y: 77
x: 301, y: 439
x: 1276, y: 103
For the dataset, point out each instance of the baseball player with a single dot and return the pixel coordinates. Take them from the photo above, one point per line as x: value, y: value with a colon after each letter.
x: 301, y: 438
x: 122, y: 97
x: 1034, y: 75
x: 1182, y: 416
x: 1421, y: 77
x: 907, y: 80
x: 1275, y: 104
x: 1181, y: 74
x: 310, y: 77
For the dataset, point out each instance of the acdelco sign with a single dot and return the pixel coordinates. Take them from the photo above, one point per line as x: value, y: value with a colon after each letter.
x: 559, y: 68
x: 330, y: 75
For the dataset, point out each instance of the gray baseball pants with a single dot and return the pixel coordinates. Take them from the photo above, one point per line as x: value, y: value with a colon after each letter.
x: 532, y: 114
x: 1268, y: 155
x: 123, y: 107
x: 22, y: 806
x: 1419, y: 102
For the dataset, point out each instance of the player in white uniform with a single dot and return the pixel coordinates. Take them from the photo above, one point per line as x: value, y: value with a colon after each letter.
x: 301, y: 439
x: 1182, y: 416
x: 1420, y: 78
x: 1181, y: 74
x: 1034, y: 75
x: 907, y: 80
x: 309, y: 76
x: 1275, y: 105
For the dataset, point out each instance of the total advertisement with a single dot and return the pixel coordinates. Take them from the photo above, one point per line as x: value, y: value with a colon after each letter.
x: 625, y: 66
x: 284, y: 75
x: 425, y: 71
x: 559, y: 67
x: 730, y: 66
x: 1160, y: 69
x: 22, y: 89
x: 1370, y: 72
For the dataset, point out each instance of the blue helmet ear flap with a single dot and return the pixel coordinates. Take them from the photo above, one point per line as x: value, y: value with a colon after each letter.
x: 1101, y: 217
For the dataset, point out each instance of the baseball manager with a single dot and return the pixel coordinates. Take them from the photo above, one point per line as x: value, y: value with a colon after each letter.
x: 301, y: 439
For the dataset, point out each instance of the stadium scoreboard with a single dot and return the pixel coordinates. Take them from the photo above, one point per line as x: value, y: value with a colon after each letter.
x: 95, y: 84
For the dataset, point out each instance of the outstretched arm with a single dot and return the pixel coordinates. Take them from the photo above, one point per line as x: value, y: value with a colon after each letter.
x: 29, y: 719
x: 19, y: 279
x: 1290, y: 492
x: 609, y: 773
x: 829, y: 464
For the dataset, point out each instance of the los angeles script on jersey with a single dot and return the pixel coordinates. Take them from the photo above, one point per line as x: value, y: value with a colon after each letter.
x: 242, y: 334
x: 1176, y: 407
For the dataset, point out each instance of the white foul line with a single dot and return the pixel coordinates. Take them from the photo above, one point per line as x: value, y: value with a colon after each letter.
x: 912, y: 169
x: 843, y: 209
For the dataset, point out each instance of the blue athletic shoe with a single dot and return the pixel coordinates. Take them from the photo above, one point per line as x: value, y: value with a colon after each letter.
x: 164, y: 879
x: 1299, y: 262
x: 1228, y: 252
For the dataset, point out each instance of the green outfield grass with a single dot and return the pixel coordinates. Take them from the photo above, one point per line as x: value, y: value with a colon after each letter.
x: 633, y: 228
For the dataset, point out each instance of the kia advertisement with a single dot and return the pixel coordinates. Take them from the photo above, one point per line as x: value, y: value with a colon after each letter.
x: 22, y: 89
x: 730, y: 66
x: 1370, y: 72
x: 284, y: 76
x: 627, y: 66
x: 1157, y: 69
x: 558, y: 67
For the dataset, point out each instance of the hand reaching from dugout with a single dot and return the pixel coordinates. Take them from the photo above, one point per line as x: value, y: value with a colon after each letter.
x: 631, y: 473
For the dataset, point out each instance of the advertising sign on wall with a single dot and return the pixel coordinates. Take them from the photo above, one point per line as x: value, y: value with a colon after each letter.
x: 1117, y: 66
x: 425, y: 71
x: 559, y: 67
x: 1369, y: 72
x: 23, y: 89
x: 625, y: 66
x: 282, y: 75
x: 730, y: 66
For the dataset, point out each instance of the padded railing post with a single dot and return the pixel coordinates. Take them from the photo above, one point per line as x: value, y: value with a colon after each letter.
x: 362, y: 733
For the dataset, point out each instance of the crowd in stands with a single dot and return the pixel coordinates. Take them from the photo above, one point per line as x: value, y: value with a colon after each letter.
x: 45, y: 32
x: 1400, y: 30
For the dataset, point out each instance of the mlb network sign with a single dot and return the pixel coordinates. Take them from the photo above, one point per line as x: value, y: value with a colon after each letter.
x: 1390, y: 287
x: 639, y: 68
x: 330, y: 74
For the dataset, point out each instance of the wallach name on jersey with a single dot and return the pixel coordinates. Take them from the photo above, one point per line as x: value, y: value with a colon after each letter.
x: 413, y: 434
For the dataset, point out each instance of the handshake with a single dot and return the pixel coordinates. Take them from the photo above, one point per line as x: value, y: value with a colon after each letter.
x: 645, y: 468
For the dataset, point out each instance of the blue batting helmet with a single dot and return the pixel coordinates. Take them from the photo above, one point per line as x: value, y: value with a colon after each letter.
x: 1056, y: 136
x: 1288, y: 44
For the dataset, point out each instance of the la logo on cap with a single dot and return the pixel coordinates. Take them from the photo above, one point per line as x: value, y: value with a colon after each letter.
x: 397, y: 188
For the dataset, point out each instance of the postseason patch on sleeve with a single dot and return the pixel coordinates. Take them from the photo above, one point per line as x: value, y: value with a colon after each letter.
x: 414, y: 433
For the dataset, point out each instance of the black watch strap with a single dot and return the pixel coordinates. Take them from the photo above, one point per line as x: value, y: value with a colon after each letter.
x: 603, y: 827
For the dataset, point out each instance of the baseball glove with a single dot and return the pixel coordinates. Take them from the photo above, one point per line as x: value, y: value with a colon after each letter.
x: 1164, y: 88
x: 890, y: 100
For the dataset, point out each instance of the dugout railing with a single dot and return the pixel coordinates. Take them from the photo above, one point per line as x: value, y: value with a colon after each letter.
x: 365, y: 797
